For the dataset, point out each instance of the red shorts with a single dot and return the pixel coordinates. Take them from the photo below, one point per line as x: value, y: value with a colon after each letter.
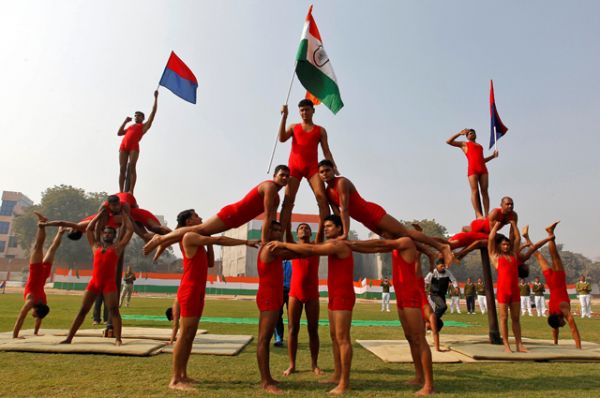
x: 341, y: 303
x: 481, y: 225
x: 476, y: 169
x: 269, y: 299
x: 143, y: 216
x: 409, y: 298
x: 191, y: 302
x: 464, y: 239
x: 129, y: 147
x: 300, y: 169
x: 304, y: 298
x: 370, y: 216
x: 508, y: 297
x: 233, y: 217
x: 102, y: 286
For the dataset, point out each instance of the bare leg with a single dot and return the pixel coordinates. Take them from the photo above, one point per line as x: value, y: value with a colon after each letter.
x: 294, y: 314
x: 88, y: 300
x: 266, y: 326
x: 504, y: 326
x: 538, y: 256
x: 291, y: 190
x: 485, y: 197
x: 181, y: 353
x: 318, y: 189
x: 37, y: 254
x: 515, y: 317
x: 557, y: 264
x: 133, y: 158
x: 343, y: 321
x: 49, y: 257
x: 111, y: 301
x: 312, y: 309
x: 337, y: 364
x: 123, y: 157
x: 415, y: 329
x: 475, y: 201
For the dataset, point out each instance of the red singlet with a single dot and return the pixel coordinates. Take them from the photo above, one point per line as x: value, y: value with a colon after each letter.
x: 464, y: 239
x: 192, y: 287
x: 508, y: 280
x: 557, y: 284
x: 38, y: 273
x: 475, y: 159
x: 250, y: 207
x: 367, y: 213
x: 406, y: 283
x: 270, y: 284
x: 131, y: 139
x: 483, y: 224
x: 304, y: 157
x: 305, y: 279
x: 126, y: 197
x: 104, y: 274
x: 421, y: 287
x: 340, y: 283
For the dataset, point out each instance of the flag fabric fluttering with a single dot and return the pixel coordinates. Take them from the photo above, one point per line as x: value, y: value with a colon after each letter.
x: 178, y: 78
x: 311, y: 97
x: 497, y: 128
x: 314, y: 69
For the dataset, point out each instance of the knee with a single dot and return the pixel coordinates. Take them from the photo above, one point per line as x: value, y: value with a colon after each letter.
x: 123, y: 168
x: 321, y: 198
x: 288, y: 202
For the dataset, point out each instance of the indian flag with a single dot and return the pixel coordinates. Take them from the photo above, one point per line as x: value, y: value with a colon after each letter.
x: 314, y: 69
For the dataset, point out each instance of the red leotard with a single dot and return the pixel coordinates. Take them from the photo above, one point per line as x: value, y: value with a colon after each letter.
x: 192, y: 288
x: 132, y: 138
x: 38, y: 273
x: 251, y: 206
x: 126, y: 197
x: 304, y: 157
x: 270, y: 284
x: 464, y: 239
x: 557, y: 284
x: 422, y: 293
x: 475, y: 159
x: 304, y: 285
x: 508, y: 280
x: 340, y: 283
x: 104, y: 274
x: 406, y: 283
x: 483, y: 224
x: 143, y: 216
x: 367, y: 213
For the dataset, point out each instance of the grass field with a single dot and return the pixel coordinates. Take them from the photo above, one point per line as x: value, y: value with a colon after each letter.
x: 58, y: 375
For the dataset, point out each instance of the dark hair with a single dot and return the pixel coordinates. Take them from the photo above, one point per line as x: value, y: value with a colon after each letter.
x: 439, y: 261
x: 114, y: 231
x: 75, y: 235
x: 169, y: 313
x: 280, y: 168
x: 303, y: 223
x: 113, y: 199
x: 472, y: 131
x: 523, y: 270
x: 41, y: 310
x: 337, y: 220
x: 306, y: 102
x: 506, y: 197
x: 554, y: 321
x: 183, y: 216
x: 326, y: 162
x: 501, y: 238
x: 141, y: 113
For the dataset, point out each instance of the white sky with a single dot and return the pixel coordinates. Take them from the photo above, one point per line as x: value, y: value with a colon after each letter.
x: 411, y: 73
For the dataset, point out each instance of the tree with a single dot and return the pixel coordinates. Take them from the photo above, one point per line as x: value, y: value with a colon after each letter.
x: 138, y: 262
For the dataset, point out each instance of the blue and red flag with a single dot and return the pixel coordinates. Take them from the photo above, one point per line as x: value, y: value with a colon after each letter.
x: 178, y: 78
x: 497, y: 129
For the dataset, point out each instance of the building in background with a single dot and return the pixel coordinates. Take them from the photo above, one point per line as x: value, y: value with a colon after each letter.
x: 13, y: 204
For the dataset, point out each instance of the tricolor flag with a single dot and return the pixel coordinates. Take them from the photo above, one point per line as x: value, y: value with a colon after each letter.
x: 497, y: 129
x: 178, y: 78
x: 314, y: 69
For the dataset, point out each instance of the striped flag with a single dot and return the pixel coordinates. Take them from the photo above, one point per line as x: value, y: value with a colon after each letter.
x: 497, y: 128
x: 314, y: 69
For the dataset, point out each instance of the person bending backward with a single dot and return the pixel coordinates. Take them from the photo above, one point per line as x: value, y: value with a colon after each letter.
x: 409, y: 301
x: 506, y: 257
x: 347, y: 202
x: 477, y: 172
x: 264, y: 198
x: 304, y: 293
x: 340, y: 286
x: 106, y: 256
x: 303, y: 162
x: 129, y: 151
x: 198, y: 256
x: 40, y: 266
x: 559, y: 308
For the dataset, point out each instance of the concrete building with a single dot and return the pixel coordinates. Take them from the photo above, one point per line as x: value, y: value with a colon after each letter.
x: 241, y: 260
x: 13, y: 204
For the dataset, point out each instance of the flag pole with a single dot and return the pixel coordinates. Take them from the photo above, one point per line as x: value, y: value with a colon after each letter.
x: 287, y: 98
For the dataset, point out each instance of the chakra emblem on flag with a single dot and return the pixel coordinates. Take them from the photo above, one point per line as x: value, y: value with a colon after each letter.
x: 320, y: 57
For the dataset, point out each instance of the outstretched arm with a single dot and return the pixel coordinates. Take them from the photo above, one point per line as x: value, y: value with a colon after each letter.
x: 196, y: 239
x: 452, y: 140
x: 308, y: 249
x: 377, y: 245
x: 148, y: 124
x: 327, y: 151
x: 121, y: 130
x: 492, y: 156
x: 515, y: 235
x: 285, y: 134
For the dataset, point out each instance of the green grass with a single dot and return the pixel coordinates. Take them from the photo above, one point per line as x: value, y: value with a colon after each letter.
x: 59, y: 375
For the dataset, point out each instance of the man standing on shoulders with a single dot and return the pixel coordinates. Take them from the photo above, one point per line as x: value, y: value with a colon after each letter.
x: 385, y: 295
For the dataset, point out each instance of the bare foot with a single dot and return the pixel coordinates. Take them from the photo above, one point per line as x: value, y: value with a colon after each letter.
x: 507, y: 349
x: 289, y: 371
x: 521, y: 348
x: 159, y: 251
x: 151, y: 245
x: 442, y: 349
x: 550, y: 229
x: 525, y: 232
x: 338, y: 390
x: 317, y: 371
x: 189, y: 380
x: 180, y: 385
x: 272, y: 381
x: 19, y: 337
x: 414, y: 382
x: 67, y: 341
x: 332, y: 380
x: 272, y: 389
x: 425, y: 391
x: 38, y: 334
x: 41, y: 217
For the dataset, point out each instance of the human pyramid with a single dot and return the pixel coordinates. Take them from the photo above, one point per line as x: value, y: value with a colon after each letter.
x: 109, y: 231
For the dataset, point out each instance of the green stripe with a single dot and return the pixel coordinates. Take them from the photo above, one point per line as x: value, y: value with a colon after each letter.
x: 320, y: 85
x: 302, y: 50
x: 255, y: 234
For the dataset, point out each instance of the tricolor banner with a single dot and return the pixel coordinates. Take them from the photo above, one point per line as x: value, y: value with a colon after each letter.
x: 178, y: 78
x: 314, y: 69
x: 497, y: 129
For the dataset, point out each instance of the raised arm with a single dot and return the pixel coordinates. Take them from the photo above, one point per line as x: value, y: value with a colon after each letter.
x: 270, y: 209
x: 515, y: 235
x: 285, y: 134
x: 344, y: 193
x: 327, y: 151
x: 91, y: 232
x: 125, y: 233
x: 492, y: 156
x: 492, y: 244
x: 148, y: 124
x: 452, y: 140
x: 121, y: 130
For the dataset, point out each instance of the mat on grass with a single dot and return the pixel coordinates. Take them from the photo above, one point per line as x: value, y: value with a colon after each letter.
x: 398, y: 351
x: 84, y: 345
x: 132, y: 332
x: 538, y: 351
x: 254, y: 321
x: 6, y: 337
x: 217, y: 344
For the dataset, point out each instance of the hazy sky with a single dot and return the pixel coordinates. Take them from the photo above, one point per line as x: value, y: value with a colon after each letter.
x: 411, y: 73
